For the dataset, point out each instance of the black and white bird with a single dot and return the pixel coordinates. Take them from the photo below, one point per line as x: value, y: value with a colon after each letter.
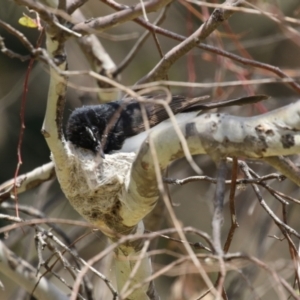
x: 118, y: 126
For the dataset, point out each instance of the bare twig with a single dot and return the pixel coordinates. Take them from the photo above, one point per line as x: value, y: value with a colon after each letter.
x: 27, y: 181
x: 75, y: 4
x: 109, y: 21
x: 11, y: 53
x: 132, y: 238
x: 21, y: 271
x: 217, y: 17
x: 234, y: 223
x: 264, y: 204
x: 241, y: 181
x: 245, y: 61
x: 131, y: 54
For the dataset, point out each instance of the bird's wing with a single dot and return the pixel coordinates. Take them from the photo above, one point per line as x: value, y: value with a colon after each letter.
x: 156, y: 113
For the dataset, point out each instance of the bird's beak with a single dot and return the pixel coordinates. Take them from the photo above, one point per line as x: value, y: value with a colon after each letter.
x: 100, y: 150
x: 96, y: 139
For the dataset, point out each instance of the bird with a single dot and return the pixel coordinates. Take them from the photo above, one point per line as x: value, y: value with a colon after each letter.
x: 118, y: 126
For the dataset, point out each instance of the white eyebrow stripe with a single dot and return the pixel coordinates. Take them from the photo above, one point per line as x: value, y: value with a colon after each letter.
x: 90, y: 132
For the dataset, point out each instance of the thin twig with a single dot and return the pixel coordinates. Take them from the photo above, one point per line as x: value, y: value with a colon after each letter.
x: 264, y: 205
x: 245, y: 61
x: 131, y: 54
x: 234, y: 223
x: 74, y: 4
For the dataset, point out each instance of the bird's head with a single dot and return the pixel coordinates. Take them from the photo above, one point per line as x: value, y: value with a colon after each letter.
x: 85, y: 130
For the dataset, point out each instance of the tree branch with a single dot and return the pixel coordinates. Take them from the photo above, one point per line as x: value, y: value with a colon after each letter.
x: 27, y: 181
x: 218, y: 16
x: 115, y: 19
x: 116, y: 193
x: 25, y: 275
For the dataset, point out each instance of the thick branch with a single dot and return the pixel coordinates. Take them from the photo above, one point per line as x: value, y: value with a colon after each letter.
x: 273, y: 134
x: 109, y: 196
x: 52, y: 127
x: 99, y: 60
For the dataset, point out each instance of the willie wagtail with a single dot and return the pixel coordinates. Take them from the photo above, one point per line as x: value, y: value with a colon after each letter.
x: 118, y: 126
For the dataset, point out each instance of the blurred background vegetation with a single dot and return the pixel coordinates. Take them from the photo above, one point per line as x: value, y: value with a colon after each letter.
x: 256, y: 35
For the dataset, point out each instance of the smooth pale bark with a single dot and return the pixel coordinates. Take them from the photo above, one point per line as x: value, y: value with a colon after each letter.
x: 272, y: 134
x: 116, y: 193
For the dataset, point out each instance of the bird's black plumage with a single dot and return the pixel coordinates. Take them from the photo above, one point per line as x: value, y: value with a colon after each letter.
x: 87, y: 125
x: 104, y: 128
